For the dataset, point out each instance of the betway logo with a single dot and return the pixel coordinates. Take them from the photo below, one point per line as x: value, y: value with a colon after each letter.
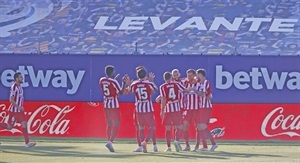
x: 258, y: 78
x: 57, y: 78
x: 138, y: 23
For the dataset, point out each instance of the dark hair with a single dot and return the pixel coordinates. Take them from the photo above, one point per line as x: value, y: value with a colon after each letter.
x: 141, y: 73
x: 16, y: 75
x: 201, y: 71
x: 109, y: 70
x: 139, y: 67
x: 191, y: 71
x: 167, y: 75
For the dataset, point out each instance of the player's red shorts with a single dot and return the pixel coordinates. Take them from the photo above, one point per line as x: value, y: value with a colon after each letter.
x: 172, y: 118
x: 16, y: 117
x: 190, y: 115
x: 146, y: 119
x: 112, y: 114
x: 204, y: 115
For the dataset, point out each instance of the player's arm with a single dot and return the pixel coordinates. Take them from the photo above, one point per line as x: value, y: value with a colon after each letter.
x: 182, y: 88
x: 151, y: 76
x: 162, y: 106
x: 12, y: 100
x: 128, y: 85
x: 158, y: 99
x: 197, y: 90
x: 123, y: 84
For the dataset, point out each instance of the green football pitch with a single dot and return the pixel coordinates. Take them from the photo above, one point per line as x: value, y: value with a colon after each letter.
x: 12, y: 150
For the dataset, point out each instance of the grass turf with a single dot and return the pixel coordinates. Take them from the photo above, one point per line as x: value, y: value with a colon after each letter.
x: 93, y: 150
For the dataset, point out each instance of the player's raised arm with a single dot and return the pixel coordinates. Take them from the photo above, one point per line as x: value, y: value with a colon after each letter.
x: 128, y: 85
x: 123, y: 85
x: 158, y: 99
x: 151, y: 76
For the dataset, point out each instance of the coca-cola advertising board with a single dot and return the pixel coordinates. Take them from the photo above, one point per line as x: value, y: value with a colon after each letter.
x: 234, y: 79
x: 228, y: 121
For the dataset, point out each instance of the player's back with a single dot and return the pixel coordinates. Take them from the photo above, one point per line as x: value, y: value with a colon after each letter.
x: 171, y: 91
x: 142, y: 90
x: 110, y: 87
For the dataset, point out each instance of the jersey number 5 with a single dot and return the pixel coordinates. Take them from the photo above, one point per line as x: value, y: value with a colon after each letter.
x: 106, y: 90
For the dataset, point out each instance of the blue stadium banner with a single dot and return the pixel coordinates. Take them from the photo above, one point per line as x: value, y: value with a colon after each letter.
x: 234, y: 79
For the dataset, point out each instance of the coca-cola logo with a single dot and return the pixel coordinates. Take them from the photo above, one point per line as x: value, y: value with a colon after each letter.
x: 93, y: 104
x: 276, y: 124
x: 47, y: 119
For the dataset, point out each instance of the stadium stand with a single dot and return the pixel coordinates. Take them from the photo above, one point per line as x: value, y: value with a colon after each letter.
x: 74, y: 27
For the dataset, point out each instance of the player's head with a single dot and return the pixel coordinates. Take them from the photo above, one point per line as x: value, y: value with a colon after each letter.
x: 201, y: 74
x: 191, y: 74
x: 140, y: 67
x: 18, y: 77
x: 176, y: 74
x: 167, y: 76
x: 110, y: 71
x: 141, y: 73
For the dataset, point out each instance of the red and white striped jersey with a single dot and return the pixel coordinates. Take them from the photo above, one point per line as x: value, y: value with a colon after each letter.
x: 17, y: 92
x: 110, y: 89
x: 143, y: 90
x: 171, y: 91
x: 204, y: 101
x: 182, y: 96
x: 192, y: 99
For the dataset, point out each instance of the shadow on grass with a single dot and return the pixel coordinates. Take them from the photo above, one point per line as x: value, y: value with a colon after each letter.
x: 73, y: 151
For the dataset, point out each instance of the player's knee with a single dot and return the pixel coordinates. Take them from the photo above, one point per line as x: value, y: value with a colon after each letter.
x: 109, y: 123
x: 179, y: 127
x: 9, y: 127
x: 151, y: 127
x: 116, y: 123
x: 201, y: 126
x: 168, y: 128
x: 24, y: 124
x: 185, y: 125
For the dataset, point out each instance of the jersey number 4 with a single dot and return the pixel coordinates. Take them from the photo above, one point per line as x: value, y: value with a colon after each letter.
x: 172, y: 94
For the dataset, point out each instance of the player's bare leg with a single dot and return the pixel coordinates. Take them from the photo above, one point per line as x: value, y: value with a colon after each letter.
x: 138, y: 139
x: 212, y: 140
x: 205, y: 132
x: 186, y: 136
x: 28, y: 144
x: 168, y: 138
x: 149, y: 136
x: 109, y: 134
x: 155, y: 149
x: 178, y: 134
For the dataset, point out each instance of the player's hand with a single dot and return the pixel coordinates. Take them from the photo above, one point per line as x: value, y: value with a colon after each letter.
x: 128, y: 81
x: 190, y: 89
x: 124, y: 78
x: 116, y: 77
x: 21, y: 108
x: 162, y: 115
x: 209, y: 97
x: 158, y: 99
x: 151, y: 76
